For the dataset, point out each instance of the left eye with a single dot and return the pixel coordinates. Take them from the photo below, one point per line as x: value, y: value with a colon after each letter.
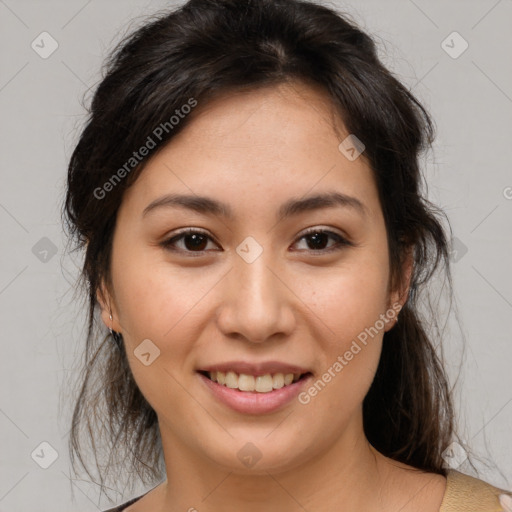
x: 318, y: 237
x: 197, y: 241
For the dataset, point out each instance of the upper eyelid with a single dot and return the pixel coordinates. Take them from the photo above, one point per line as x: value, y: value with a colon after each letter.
x: 322, y: 229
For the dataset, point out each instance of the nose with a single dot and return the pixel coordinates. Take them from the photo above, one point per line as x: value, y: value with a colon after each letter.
x: 257, y: 304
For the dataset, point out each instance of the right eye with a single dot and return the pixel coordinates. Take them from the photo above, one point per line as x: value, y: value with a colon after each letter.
x: 194, y: 240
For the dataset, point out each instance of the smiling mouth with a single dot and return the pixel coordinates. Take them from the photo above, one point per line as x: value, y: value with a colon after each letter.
x: 256, y: 384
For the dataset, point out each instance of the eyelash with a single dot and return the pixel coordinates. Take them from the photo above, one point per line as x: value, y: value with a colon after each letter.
x: 341, y: 241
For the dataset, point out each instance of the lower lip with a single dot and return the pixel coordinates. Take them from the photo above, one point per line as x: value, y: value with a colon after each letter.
x: 253, y: 402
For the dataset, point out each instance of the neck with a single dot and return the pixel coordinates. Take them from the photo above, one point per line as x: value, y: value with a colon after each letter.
x: 348, y: 472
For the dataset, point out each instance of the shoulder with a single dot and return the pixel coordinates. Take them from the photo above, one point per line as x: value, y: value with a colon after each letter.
x: 147, y: 503
x: 465, y: 493
x: 119, y: 508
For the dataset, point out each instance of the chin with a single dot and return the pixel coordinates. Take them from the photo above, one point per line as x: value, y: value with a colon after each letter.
x: 256, y: 455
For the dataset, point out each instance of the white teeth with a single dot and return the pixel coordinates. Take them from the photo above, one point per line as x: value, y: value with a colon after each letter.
x: 278, y: 381
x: 264, y: 383
x: 231, y: 380
x: 261, y: 383
x: 246, y: 383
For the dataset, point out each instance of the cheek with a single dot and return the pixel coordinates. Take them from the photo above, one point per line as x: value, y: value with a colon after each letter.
x: 349, y: 304
x: 347, y: 299
x: 351, y: 308
x: 353, y: 317
x: 155, y: 300
x: 157, y: 306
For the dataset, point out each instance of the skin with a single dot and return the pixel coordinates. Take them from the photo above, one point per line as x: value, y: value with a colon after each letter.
x: 254, y: 151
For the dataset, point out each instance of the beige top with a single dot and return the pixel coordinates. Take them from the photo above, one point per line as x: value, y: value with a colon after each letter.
x: 465, y: 493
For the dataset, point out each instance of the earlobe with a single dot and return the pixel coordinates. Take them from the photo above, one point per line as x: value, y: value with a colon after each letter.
x: 400, y: 296
x: 105, y: 310
x: 407, y: 271
x: 108, y: 309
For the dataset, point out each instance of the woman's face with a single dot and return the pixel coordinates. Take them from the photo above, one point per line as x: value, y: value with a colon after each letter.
x: 251, y: 292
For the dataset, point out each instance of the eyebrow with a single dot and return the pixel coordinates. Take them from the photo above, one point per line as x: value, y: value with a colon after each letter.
x: 209, y: 206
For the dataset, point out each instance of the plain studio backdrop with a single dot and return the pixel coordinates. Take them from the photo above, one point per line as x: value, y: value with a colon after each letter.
x: 454, y: 55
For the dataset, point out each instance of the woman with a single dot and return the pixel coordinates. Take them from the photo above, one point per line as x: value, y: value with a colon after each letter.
x: 248, y: 192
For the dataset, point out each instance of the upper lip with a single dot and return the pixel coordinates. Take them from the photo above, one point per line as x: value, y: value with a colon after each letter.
x: 255, y: 369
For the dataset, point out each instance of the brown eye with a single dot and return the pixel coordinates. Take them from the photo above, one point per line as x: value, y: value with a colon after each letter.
x: 318, y: 239
x: 192, y: 241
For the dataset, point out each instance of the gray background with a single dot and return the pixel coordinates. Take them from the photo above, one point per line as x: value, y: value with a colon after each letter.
x: 469, y: 175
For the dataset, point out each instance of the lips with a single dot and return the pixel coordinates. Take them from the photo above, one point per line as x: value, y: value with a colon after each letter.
x: 242, y: 398
x: 272, y: 379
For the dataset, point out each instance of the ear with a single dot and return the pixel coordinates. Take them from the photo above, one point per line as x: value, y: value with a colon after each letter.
x: 399, y: 296
x: 108, y: 307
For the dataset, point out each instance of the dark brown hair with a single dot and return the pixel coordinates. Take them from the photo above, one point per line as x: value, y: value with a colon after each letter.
x: 212, y: 47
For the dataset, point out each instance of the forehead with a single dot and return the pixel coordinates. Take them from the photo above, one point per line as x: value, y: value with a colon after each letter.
x: 268, y: 114
x: 270, y: 142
